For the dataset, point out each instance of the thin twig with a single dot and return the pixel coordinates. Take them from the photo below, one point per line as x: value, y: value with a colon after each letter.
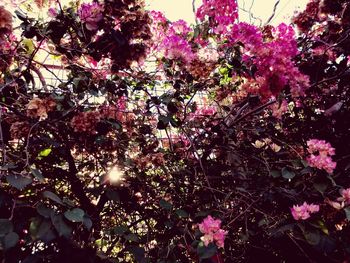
x: 245, y: 211
x: 27, y: 144
x: 273, y: 12
x: 299, y: 247
x: 256, y: 110
x: 2, y: 140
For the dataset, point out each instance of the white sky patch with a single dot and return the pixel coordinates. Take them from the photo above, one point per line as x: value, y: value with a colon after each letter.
x: 182, y: 9
x: 115, y: 175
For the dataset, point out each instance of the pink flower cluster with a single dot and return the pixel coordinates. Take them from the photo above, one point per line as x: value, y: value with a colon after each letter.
x: 303, y: 211
x: 176, y: 47
x: 179, y: 27
x: 159, y: 25
x: 90, y: 14
x: 321, y: 153
x: 211, y: 228
x: 171, y: 38
x: 208, y: 55
x: 279, y: 109
x: 222, y: 14
x: 273, y: 54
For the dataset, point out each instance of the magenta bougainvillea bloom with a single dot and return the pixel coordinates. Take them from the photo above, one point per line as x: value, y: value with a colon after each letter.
x: 179, y: 27
x: 303, y: 211
x: 222, y: 14
x: 175, y: 47
x: 90, y: 14
x: 321, y: 152
x: 211, y: 228
x: 273, y: 55
x: 171, y: 38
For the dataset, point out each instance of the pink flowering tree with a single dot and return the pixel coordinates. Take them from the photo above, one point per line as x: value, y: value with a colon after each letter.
x: 168, y: 142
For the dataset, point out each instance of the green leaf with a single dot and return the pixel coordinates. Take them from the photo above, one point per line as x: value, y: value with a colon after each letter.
x: 347, y: 213
x: 304, y: 163
x: 166, y: 205
x: 313, y: 238
x: 323, y: 227
x: 321, y: 186
x: 115, y: 124
x: 10, y: 240
x: 62, y: 228
x: 37, y: 174
x: 5, y: 227
x: 181, y: 213
x: 43, y: 228
x: 87, y: 222
x: 196, y: 32
x: 53, y: 197
x: 68, y: 201
x: 287, y: 174
x: 34, y: 227
x: 223, y: 71
x: 306, y: 170
x: 75, y: 215
x: 163, y: 122
x: 132, y: 237
x: 138, y: 252
x: 45, y: 152
x: 119, y: 230
x: 206, y: 252
x: 18, y: 181
x: 8, y: 166
x: 28, y: 45
x: 327, y: 245
x: 280, y: 230
x: 43, y: 210
x: 275, y: 173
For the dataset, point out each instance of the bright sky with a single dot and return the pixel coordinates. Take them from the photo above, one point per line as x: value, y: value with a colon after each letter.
x: 182, y: 9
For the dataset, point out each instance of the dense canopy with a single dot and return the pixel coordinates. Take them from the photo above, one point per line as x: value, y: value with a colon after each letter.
x: 126, y: 137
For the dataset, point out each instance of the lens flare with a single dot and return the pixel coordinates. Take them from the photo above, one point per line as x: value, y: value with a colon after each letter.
x: 115, y: 175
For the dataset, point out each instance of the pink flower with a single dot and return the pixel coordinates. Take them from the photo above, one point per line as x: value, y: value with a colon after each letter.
x: 272, y: 53
x: 222, y: 14
x: 303, y: 212
x: 279, y: 109
x: 158, y: 17
x: 210, y: 227
x: 208, y: 54
x: 323, y: 160
x: 300, y: 212
x: 209, y: 224
x: 179, y: 27
x: 52, y: 12
x: 321, y: 146
x: 202, y: 112
x: 334, y: 204
x: 90, y: 14
x: 313, y: 208
x: 175, y: 47
x: 346, y: 195
x: 219, y: 237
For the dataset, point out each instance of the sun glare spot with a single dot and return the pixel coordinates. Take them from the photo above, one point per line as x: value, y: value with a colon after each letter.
x: 115, y: 175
